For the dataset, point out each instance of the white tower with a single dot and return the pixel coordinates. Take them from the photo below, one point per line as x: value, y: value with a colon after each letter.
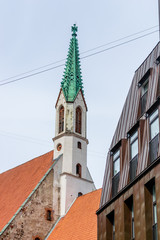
x: 70, y: 131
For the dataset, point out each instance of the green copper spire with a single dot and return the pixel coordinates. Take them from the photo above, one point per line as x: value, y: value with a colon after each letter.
x: 72, y: 79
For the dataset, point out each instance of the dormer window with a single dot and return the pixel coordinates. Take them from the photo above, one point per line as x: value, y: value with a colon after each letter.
x: 61, y: 119
x: 144, y: 91
x: 154, y: 135
x: 116, y: 163
x: 143, y: 85
x: 116, y: 172
x: 133, y: 154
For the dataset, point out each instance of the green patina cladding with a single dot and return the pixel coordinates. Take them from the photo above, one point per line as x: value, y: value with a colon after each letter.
x: 72, y: 79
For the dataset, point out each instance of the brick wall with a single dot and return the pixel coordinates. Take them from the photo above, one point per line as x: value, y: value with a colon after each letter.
x: 31, y: 221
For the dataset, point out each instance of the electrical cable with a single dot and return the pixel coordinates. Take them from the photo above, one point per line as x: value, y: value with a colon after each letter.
x: 39, y: 141
x: 92, y: 49
x: 49, y: 69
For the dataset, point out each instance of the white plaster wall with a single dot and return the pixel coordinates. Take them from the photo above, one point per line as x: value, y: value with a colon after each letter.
x: 63, y: 195
x: 57, y: 170
x: 72, y: 155
x: 79, y: 156
x: 71, y: 186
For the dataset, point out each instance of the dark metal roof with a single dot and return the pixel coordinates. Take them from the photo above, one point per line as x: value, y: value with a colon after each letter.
x: 129, y: 117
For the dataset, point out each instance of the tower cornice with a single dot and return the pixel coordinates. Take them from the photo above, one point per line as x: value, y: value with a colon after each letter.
x: 69, y: 134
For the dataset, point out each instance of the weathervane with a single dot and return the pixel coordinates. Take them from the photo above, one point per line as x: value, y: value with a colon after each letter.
x: 74, y: 30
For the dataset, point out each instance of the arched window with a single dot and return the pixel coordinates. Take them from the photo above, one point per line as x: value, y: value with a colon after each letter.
x: 80, y: 194
x: 78, y: 120
x: 61, y: 119
x: 78, y: 170
x: 79, y: 145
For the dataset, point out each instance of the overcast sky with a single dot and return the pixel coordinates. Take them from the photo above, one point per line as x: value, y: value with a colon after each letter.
x: 34, y: 33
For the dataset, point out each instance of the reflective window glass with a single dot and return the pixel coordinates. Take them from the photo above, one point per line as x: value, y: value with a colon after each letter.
x: 116, y: 166
x: 145, y: 87
x: 134, y: 136
x: 154, y: 193
x: 154, y: 128
x: 116, y: 155
x: 134, y: 149
x: 153, y: 115
x: 155, y: 214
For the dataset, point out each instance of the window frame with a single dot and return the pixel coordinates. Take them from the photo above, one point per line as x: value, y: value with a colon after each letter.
x: 153, y: 140
x: 131, y: 142
x: 115, y: 160
x: 116, y: 176
x: 152, y: 121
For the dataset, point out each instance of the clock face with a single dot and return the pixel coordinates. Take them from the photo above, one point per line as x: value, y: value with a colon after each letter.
x: 59, y: 147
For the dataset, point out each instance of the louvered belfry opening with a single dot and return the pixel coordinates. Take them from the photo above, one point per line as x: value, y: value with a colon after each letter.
x: 61, y: 119
x: 78, y: 120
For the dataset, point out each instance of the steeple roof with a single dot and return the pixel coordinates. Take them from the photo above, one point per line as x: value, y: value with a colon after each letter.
x: 72, y: 79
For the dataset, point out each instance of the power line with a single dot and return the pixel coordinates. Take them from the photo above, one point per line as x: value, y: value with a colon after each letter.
x: 92, y: 49
x: 40, y: 141
x: 49, y: 69
x: 118, y: 45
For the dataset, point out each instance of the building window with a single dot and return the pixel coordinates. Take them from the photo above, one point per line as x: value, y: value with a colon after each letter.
x: 129, y: 219
x: 36, y: 238
x: 155, y: 234
x: 61, y: 119
x: 78, y: 170
x: 49, y: 215
x: 79, y: 145
x: 133, y: 154
x: 144, y: 91
x: 78, y: 120
x: 116, y: 172
x: 154, y: 135
x: 110, y: 226
x: 59, y: 147
x: 80, y: 194
x: 151, y: 209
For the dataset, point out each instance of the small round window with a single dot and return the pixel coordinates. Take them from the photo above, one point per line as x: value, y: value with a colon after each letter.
x: 59, y: 147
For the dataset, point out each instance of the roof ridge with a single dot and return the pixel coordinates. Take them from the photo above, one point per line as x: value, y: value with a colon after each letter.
x: 26, y: 162
x: 89, y: 193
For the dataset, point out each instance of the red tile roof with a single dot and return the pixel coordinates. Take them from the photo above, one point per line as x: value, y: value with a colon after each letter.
x: 81, y: 221
x: 17, y: 184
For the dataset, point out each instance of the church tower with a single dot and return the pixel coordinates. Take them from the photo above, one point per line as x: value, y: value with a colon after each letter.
x: 70, y: 139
